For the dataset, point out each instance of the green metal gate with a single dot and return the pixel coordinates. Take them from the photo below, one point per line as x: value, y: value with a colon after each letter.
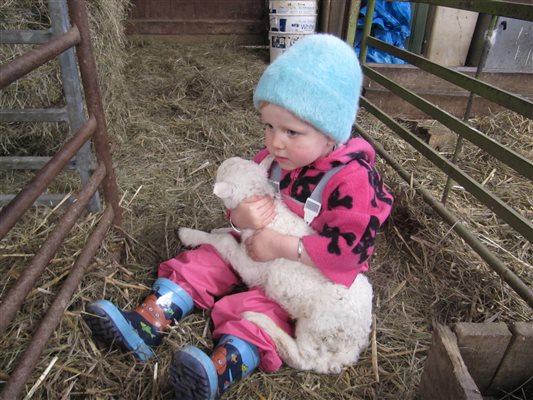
x: 464, y: 131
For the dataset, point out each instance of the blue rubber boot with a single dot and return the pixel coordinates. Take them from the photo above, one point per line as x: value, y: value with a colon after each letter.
x: 196, y: 376
x: 144, y: 327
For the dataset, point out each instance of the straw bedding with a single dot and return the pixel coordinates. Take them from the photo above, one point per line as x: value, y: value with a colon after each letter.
x: 183, y: 110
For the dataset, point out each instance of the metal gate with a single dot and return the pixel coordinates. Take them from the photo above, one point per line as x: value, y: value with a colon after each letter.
x: 94, y: 127
x: 464, y: 131
x: 72, y: 113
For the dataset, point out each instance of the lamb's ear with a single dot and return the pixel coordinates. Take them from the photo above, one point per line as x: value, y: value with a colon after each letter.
x: 267, y: 162
x: 223, y: 190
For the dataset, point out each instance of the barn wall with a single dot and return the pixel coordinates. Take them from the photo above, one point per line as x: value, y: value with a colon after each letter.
x: 244, y: 21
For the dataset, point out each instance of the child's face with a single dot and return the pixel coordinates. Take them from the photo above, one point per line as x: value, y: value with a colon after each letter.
x: 293, y: 142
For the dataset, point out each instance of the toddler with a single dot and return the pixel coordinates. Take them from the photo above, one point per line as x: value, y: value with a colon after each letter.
x: 308, y: 100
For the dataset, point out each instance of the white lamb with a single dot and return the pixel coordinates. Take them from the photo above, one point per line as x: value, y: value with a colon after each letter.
x: 332, y: 322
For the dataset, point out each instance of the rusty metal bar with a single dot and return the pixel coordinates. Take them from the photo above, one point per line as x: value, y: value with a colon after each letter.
x: 87, y: 65
x: 33, y: 351
x: 494, y: 262
x: 18, y: 292
x: 16, y: 208
x: 73, y: 94
x: 34, y: 58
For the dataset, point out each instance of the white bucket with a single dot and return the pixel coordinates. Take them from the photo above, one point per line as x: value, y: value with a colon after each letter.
x: 308, y: 7
x: 280, y: 42
x: 292, y: 23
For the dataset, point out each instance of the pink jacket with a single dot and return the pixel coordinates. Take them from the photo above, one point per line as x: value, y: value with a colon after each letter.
x: 355, y: 203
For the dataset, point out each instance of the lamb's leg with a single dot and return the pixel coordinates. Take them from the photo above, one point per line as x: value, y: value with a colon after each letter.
x: 287, y: 346
x: 230, y: 250
x: 224, y: 243
x: 290, y: 349
x: 192, y: 237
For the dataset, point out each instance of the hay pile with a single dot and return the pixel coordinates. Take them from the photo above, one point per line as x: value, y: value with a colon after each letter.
x: 190, y: 109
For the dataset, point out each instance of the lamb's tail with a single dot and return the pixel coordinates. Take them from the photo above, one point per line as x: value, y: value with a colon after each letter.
x: 287, y: 346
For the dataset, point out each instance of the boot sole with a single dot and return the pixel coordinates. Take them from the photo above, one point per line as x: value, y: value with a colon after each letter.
x: 109, y: 326
x: 193, y: 375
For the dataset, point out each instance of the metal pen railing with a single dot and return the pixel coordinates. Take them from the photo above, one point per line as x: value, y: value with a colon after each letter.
x: 510, y: 101
x: 95, y: 129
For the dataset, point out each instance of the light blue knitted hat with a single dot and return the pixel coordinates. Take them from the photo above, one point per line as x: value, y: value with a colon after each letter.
x: 319, y: 80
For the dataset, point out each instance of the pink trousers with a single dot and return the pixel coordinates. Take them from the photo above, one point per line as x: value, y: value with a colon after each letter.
x: 209, y: 280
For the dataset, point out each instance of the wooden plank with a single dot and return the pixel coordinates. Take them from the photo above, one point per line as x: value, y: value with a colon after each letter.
x: 482, y: 348
x: 198, y: 9
x: 450, y: 25
x: 244, y: 21
x: 34, y: 115
x: 198, y: 27
x: 324, y: 15
x: 336, y: 23
x: 255, y: 40
x: 353, y: 15
x: 445, y: 95
x: 517, y: 366
x: 445, y: 374
x: 28, y: 162
x: 47, y: 200
x: 25, y: 36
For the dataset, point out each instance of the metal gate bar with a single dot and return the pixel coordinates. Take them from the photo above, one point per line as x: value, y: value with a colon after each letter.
x: 34, y: 58
x: 24, y: 200
x: 29, y: 358
x: 18, y: 292
x: 93, y: 98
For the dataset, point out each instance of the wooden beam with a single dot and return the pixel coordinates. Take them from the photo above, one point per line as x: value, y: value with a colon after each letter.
x: 447, y: 96
x: 445, y: 374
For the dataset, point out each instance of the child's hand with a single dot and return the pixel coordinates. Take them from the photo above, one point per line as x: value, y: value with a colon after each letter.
x: 255, y: 212
x: 263, y: 244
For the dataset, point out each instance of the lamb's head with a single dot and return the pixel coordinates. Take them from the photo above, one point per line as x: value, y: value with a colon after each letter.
x: 238, y: 179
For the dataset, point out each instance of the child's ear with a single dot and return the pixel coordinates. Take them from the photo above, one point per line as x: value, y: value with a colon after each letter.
x: 223, y: 190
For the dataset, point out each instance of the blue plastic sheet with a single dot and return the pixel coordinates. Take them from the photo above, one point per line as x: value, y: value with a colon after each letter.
x: 391, y: 23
